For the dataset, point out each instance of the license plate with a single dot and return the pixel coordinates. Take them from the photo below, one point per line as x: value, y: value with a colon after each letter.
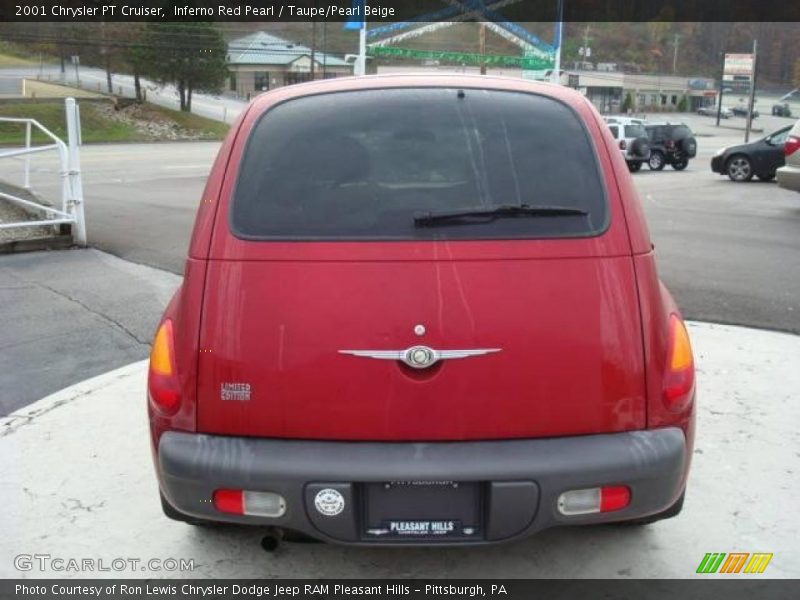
x: 420, y: 510
x: 423, y: 529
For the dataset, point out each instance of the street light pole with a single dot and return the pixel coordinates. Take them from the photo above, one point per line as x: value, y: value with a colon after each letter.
x: 721, y: 88
x: 361, y: 62
x: 555, y: 77
x: 482, y: 46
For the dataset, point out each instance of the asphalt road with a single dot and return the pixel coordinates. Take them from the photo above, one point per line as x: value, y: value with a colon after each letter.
x: 219, y: 108
x: 729, y: 252
x: 70, y: 315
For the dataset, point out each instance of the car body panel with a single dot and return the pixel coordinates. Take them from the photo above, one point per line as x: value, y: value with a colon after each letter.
x: 299, y: 293
x: 712, y: 111
x: 636, y: 147
x: 742, y: 110
x: 764, y: 156
x: 788, y: 176
x: 573, y: 365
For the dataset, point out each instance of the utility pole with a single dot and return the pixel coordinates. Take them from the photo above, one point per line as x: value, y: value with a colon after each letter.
x: 585, y: 40
x: 324, y: 48
x: 313, y: 47
x: 675, y: 53
x: 583, y: 51
x: 721, y: 88
x: 482, y: 45
x: 752, y: 92
x: 106, y: 57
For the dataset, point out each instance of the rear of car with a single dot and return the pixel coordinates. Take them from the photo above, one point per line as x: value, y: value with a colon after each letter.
x: 742, y: 110
x: 632, y: 140
x: 781, y: 110
x: 789, y: 175
x: 761, y: 158
x: 670, y: 144
x: 421, y: 310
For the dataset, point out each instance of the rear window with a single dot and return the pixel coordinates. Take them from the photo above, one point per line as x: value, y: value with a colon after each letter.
x: 680, y: 132
x: 635, y: 131
x: 362, y: 164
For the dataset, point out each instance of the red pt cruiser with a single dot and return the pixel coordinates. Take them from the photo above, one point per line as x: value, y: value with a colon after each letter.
x: 421, y: 309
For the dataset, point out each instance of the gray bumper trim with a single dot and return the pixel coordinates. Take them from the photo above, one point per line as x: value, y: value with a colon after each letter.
x: 651, y: 463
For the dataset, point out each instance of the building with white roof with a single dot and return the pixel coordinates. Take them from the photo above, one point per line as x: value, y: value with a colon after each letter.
x: 261, y: 61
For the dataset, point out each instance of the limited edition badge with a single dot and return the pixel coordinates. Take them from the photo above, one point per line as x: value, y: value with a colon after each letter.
x: 329, y: 502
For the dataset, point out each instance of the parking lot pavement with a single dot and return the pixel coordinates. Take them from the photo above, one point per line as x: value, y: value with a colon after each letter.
x: 70, y: 315
x: 89, y: 490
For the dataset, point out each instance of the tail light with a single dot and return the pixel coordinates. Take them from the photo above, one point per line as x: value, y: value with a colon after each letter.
x: 246, y: 502
x: 679, y: 372
x: 162, y: 379
x: 792, y: 145
x: 623, y: 144
x: 594, y: 500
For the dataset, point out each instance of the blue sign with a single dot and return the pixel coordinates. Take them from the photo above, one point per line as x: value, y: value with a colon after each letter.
x: 356, y: 21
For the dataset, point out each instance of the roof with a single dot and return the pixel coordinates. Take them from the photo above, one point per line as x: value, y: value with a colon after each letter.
x: 262, y: 48
x: 264, y: 101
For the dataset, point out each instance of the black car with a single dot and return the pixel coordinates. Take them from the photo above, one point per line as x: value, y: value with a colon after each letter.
x: 741, y: 111
x: 760, y: 158
x: 670, y: 144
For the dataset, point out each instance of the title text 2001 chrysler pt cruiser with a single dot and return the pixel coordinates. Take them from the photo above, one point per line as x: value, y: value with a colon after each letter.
x: 421, y: 310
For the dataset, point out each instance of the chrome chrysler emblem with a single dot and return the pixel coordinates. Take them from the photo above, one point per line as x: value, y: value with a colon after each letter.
x: 419, y: 357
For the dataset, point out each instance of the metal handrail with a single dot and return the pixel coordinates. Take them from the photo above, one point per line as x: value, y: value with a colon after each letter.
x: 71, y: 186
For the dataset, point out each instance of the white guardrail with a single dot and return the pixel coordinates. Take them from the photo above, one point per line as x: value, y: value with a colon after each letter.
x: 71, y: 210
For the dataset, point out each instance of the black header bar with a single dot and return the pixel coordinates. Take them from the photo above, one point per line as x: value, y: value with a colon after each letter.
x: 390, y: 11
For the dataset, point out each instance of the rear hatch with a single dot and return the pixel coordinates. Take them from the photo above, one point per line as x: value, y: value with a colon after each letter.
x: 636, y: 141
x: 341, y: 242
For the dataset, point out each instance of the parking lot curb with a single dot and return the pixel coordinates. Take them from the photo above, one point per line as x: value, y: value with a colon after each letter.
x: 84, y: 389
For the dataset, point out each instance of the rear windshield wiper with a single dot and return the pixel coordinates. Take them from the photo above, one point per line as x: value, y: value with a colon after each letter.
x: 423, y: 219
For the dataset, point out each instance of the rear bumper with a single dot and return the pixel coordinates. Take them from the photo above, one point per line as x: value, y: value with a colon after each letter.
x: 521, y: 480
x: 789, y: 177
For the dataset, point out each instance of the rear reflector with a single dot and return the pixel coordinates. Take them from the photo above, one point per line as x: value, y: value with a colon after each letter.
x: 245, y: 502
x: 229, y: 501
x: 614, y: 498
x: 594, y: 500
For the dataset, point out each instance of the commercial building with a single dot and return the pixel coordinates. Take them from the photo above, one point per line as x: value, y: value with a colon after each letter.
x: 262, y: 61
x: 606, y: 89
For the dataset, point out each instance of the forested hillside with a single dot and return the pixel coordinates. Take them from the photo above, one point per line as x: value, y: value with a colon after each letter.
x: 645, y: 47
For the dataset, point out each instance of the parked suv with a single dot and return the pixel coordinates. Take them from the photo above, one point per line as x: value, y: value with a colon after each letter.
x: 781, y: 110
x: 631, y: 139
x: 430, y: 314
x: 670, y: 144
